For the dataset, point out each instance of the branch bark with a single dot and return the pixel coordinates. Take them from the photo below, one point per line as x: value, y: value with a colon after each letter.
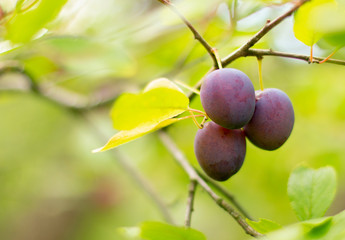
x: 211, y: 51
x: 242, y: 51
x: 121, y: 158
x: 226, y: 194
x: 260, y: 34
x: 190, y: 202
x: 306, y: 58
x: 193, y: 175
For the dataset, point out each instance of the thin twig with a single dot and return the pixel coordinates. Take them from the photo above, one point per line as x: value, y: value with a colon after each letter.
x: 193, y: 175
x: 58, y: 95
x: 190, y: 202
x: 196, y: 34
x: 226, y: 194
x: 268, y: 27
x: 269, y: 52
x: 138, y: 178
x: 121, y: 158
x: 13, y: 67
x: 243, y: 50
x: 143, y: 184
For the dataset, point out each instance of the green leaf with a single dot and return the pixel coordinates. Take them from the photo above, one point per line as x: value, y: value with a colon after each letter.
x: 264, y: 225
x: 159, y: 101
x: 317, y: 227
x: 333, y: 27
x: 335, y: 39
x: 24, y: 25
x: 162, y: 231
x: 311, y: 191
x: 130, y: 135
x: 326, y: 228
x: 307, y: 18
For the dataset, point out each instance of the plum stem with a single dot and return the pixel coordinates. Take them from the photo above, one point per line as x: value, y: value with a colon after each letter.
x: 194, y: 119
x: 203, y: 114
x: 197, y: 111
x: 260, y: 73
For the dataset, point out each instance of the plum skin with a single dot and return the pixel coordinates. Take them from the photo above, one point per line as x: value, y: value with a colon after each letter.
x: 273, y: 119
x: 220, y: 151
x: 228, y: 97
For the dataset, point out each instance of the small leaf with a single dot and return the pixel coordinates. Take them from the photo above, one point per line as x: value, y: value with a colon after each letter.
x: 162, y: 231
x: 24, y: 25
x: 332, y: 27
x: 326, y: 228
x: 159, y: 101
x: 306, y: 20
x: 318, y: 228
x: 311, y: 192
x: 264, y: 225
x: 130, y: 135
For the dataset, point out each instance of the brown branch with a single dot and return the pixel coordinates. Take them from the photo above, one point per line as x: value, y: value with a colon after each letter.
x: 121, y: 158
x: 60, y: 96
x: 269, y: 52
x: 242, y: 51
x: 260, y: 34
x: 225, y: 193
x: 211, y: 51
x: 13, y: 67
x: 193, y: 175
x: 138, y: 178
x: 190, y: 202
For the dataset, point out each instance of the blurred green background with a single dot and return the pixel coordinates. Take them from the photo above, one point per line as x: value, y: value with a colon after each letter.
x: 53, y: 187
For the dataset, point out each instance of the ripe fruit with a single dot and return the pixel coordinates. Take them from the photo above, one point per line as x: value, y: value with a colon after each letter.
x: 272, y: 121
x: 228, y: 97
x: 220, y: 151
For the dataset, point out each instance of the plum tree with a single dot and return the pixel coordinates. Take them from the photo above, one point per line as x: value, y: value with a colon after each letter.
x: 228, y: 97
x: 273, y: 119
x: 220, y: 151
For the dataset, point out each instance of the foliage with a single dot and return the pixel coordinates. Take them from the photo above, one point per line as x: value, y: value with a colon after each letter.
x: 64, y: 61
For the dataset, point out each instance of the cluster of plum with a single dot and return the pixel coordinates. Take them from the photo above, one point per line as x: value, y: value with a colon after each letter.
x: 237, y: 111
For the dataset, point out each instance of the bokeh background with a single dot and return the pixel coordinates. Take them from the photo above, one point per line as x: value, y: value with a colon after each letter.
x: 53, y: 187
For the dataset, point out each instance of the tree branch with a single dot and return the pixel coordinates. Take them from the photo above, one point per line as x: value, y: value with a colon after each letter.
x: 59, y: 96
x: 268, y: 27
x: 226, y: 194
x: 121, y: 158
x: 13, y: 67
x: 242, y: 51
x: 269, y: 52
x: 211, y: 51
x: 193, y: 175
x: 190, y: 201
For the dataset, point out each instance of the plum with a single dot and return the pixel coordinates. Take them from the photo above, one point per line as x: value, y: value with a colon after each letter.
x: 228, y: 97
x: 273, y: 119
x: 220, y: 151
